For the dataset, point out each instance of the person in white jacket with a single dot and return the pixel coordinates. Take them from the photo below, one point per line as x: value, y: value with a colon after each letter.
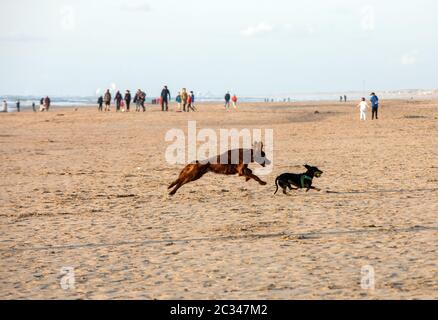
x: 363, y: 106
x: 5, y: 106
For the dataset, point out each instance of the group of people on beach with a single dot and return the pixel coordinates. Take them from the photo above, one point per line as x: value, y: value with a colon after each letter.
x: 363, y: 106
x: 44, y: 105
x: 123, y: 103
x: 233, y: 99
x: 185, y: 100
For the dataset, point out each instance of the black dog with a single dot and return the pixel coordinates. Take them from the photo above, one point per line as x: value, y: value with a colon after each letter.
x: 303, y: 180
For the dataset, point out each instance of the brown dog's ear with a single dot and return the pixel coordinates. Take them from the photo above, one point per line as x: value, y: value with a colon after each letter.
x: 258, y: 145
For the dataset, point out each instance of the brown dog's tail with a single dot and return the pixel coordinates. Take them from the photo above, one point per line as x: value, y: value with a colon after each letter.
x: 276, y: 179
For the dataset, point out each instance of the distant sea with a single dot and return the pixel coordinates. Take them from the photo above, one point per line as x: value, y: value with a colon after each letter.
x: 78, y: 101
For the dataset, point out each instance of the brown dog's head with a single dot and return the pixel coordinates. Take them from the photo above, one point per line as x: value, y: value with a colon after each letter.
x: 313, y: 171
x: 259, y: 154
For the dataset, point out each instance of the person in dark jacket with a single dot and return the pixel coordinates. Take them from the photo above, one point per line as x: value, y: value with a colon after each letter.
x: 18, y: 105
x: 374, y: 105
x: 127, y: 99
x: 143, y: 100
x: 47, y: 103
x: 227, y: 100
x: 100, y: 103
x: 107, y: 100
x: 165, y: 97
x: 118, y: 99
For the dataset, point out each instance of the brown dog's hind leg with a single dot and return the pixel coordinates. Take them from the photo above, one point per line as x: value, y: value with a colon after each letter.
x: 190, y: 173
x: 179, y: 185
x: 173, y: 184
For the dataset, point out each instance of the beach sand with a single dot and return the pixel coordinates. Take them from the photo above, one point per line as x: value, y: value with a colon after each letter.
x: 88, y: 190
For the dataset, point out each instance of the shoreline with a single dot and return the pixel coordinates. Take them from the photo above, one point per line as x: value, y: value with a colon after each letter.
x: 173, y: 105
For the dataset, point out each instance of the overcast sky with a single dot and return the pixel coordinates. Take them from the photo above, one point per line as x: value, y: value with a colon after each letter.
x: 250, y: 47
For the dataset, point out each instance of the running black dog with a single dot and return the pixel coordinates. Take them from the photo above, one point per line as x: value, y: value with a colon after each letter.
x: 303, y: 180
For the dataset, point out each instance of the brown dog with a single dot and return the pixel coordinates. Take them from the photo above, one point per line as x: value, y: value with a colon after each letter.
x: 231, y: 162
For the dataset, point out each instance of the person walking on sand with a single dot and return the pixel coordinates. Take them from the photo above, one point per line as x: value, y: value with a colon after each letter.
x: 142, y: 100
x: 234, y: 100
x: 374, y: 105
x: 345, y: 98
x: 107, y: 100
x: 5, y: 106
x: 227, y: 100
x: 100, y: 103
x: 18, y: 105
x: 127, y: 99
x: 33, y: 107
x: 189, y: 103
x: 139, y: 100
x: 165, y: 94
x: 47, y: 103
x: 42, y: 105
x: 135, y: 100
x: 192, y: 101
x: 363, y: 106
x: 178, y: 100
x: 118, y: 100
x: 184, y: 98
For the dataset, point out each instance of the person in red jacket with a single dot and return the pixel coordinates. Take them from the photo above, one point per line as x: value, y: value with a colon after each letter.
x: 234, y: 100
x: 189, y: 103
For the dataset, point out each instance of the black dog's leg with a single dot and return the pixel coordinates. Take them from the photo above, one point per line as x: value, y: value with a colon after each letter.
x: 285, y: 189
x: 314, y: 188
x: 282, y: 184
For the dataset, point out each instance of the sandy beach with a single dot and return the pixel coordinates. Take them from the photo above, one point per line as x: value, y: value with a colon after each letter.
x: 88, y: 191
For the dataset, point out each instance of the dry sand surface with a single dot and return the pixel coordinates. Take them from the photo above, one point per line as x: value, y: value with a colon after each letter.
x: 88, y: 190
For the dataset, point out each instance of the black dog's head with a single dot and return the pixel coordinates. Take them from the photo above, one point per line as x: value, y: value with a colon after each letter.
x: 313, y: 171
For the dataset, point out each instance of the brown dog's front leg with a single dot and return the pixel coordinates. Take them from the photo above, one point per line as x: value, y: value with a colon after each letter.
x: 249, y: 174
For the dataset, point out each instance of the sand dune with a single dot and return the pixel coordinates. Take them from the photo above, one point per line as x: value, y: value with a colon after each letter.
x: 88, y: 190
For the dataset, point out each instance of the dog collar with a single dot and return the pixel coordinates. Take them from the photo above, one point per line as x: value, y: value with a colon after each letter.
x: 303, y: 178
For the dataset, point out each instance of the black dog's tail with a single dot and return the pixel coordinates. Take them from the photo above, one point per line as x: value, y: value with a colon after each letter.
x: 276, y: 179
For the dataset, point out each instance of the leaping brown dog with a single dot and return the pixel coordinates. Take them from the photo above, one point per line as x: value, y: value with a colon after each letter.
x: 234, y: 161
